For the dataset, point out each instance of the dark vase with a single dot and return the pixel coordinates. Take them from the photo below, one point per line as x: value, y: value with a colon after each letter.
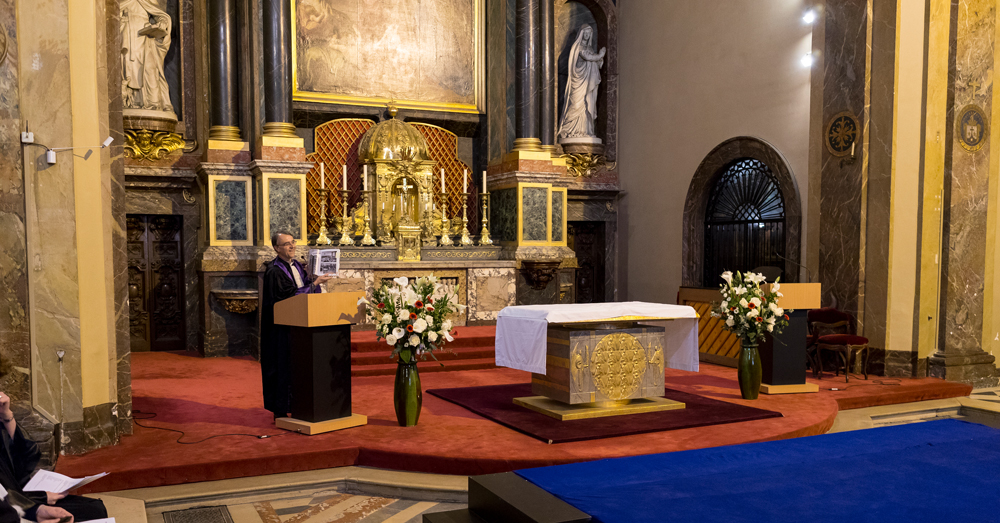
x: 749, y: 371
x: 407, y: 397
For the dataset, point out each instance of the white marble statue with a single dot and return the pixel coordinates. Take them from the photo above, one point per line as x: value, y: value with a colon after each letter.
x: 580, y: 108
x: 145, y: 31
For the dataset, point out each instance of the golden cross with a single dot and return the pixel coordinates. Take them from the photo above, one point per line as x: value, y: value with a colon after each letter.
x: 404, y: 186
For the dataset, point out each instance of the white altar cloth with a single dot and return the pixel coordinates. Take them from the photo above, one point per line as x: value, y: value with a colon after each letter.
x: 521, y: 330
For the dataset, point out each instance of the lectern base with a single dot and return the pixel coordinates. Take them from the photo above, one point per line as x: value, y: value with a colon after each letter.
x: 311, y: 429
x: 797, y: 388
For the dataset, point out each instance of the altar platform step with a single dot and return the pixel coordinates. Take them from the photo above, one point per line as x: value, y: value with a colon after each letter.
x: 388, y: 369
x: 471, y: 350
x: 508, y: 498
x: 449, y: 354
x: 364, y: 341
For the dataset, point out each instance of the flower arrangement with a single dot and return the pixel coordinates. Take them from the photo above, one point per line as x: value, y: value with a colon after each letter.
x: 408, y: 317
x: 750, y: 309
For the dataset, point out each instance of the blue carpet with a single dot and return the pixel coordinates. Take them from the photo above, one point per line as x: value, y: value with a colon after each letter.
x: 946, y: 470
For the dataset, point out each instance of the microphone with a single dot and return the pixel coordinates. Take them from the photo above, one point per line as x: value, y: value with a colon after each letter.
x: 809, y: 277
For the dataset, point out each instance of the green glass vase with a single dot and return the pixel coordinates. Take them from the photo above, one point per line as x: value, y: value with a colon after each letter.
x: 749, y: 371
x: 407, y: 397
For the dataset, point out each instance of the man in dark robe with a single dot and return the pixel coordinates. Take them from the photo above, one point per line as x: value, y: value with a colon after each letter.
x: 18, y: 459
x: 284, y: 277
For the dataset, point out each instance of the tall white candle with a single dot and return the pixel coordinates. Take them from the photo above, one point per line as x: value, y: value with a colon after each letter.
x: 366, y: 177
x: 484, y: 181
x: 442, y: 180
x: 465, y: 181
x: 345, y: 177
x: 322, y: 177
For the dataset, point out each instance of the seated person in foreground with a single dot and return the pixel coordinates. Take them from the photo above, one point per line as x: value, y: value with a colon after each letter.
x: 19, y: 457
x: 16, y: 508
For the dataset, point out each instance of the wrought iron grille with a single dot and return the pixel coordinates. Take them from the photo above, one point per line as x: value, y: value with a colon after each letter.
x: 745, y: 221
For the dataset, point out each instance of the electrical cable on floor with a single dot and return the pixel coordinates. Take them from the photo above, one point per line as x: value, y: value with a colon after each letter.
x: 152, y: 415
x: 884, y: 382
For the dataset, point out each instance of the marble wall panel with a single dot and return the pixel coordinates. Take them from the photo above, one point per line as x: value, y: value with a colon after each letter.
x: 503, y: 215
x: 285, y: 204
x: 840, y: 205
x: 188, y: 205
x: 534, y: 214
x: 557, y: 216
x: 228, y: 333
x: 15, y: 353
x: 231, y: 210
x: 967, y: 183
x: 490, y: 290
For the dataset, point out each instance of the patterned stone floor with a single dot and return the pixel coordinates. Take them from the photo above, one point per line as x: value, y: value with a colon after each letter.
x: 992, y: 394
x: 309, y: 506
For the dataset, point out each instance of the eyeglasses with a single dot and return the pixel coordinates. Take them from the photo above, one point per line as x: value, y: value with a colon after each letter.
x: 287, y: 244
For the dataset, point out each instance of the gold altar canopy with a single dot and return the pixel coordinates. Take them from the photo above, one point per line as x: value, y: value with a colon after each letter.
x: 401, y: 176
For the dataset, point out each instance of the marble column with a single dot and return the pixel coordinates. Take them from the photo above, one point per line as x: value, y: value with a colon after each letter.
x: 526, y: 110
x: 222, y: 69
x: 277, y: 17
x: 548, y: 87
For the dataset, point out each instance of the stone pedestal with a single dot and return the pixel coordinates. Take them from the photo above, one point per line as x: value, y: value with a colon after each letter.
x: 976, y: 368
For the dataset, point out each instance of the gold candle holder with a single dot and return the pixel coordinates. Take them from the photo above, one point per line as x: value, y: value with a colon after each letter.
x: 367, y: 239
x: 445, y: 240
x: 322, y: 239
x: 484, y: 236
x: 466, y: 240
x: 345, y: 238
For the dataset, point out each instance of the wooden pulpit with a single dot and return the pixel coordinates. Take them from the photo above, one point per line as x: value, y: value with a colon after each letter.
x: 783, y: 356
x: 320, y: 347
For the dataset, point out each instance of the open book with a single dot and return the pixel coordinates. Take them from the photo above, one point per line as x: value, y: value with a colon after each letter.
x: 45, y: 481
x: 323, y: 262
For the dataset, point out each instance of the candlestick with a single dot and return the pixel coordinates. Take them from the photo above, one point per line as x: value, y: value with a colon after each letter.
x: 442, y: 182
x: 445, y: 240
x: 345, y: 237
x: 465, y: 181
x: 322, y: 239
x: 322, y: 177
x: 484, y: 235
x: 466, y: 240
x: 367, y: 239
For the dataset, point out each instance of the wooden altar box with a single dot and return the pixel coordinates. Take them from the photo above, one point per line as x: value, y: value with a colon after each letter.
x: 318, y: 310
x: 587, y: 365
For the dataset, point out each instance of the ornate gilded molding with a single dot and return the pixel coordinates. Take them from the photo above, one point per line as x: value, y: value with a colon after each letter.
x: 237, y: 301
x: 583, y: 165
x: 141, y: 144
x: 540, y: 272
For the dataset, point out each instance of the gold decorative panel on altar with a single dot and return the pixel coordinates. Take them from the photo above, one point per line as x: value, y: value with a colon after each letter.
x: 424, y: 54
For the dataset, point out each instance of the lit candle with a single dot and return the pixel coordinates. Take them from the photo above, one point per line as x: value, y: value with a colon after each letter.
x: 484, y: 181
x: 465, y: 181
x: 442, y: 180
x: 322, y: 177
x: 366, y: 177
x: 345, y: 177
x: 852, y: 149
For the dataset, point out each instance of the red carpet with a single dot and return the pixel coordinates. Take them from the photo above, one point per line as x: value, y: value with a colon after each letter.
x: 208, y: 397
x: 496, y: 402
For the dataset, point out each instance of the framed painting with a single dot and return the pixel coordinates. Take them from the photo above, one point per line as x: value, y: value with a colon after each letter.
x: 422, y: 54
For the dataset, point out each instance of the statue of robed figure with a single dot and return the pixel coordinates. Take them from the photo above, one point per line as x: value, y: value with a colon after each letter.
x: 580, y: 107
x: 145, y: 29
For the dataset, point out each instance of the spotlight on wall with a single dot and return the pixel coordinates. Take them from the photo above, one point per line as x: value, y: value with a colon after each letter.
x: 807, y: 60
x: 809, y: 17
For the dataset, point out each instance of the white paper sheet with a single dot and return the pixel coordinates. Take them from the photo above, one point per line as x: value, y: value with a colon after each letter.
x: 104, y: 520
x: 521, y: 330
x: 45, y: 481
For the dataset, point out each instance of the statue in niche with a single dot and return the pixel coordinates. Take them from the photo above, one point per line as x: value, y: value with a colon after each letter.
x: 145, y: 29
x: 580, y: 108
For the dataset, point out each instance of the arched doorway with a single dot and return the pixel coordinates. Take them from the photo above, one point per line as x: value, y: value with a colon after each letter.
x: 738, y: 187
x: 745, y: 221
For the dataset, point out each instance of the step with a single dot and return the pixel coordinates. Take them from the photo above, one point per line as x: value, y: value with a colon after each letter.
x: 385, y: 356
x: 510, y: 498
x: 453, y: 516
x: 430, y: 365
x: 364, y: 341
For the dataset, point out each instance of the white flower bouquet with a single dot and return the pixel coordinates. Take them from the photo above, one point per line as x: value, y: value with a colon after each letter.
x: 408, y: 317
x: 749, y: 307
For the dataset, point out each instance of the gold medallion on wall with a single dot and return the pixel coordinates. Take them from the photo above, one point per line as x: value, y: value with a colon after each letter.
x: 972, y: 128
x: 842, y: 132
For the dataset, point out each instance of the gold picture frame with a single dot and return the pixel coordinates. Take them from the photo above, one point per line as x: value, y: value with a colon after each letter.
x: 479, y: 76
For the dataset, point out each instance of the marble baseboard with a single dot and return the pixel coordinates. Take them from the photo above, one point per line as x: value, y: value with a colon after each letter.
x: 975, y: 368
x: 99, y: 428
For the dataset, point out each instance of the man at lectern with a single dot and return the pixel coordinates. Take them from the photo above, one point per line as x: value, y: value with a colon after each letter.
x: 284, y: 277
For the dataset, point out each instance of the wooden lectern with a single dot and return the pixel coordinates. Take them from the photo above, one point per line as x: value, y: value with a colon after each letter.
x: 783, y: 356
x: 320, y: 360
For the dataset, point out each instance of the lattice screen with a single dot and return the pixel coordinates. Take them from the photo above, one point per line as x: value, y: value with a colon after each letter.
x: 442, y: 145
x: 336, y: 146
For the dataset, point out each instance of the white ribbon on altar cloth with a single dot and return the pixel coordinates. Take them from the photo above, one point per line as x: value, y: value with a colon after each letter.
x: 521, y: 330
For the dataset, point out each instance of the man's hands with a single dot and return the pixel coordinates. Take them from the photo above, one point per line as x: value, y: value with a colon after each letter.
x: 5, y: 411
x: 47, y: 514
x: 322, y: 279
x: 52, y: 497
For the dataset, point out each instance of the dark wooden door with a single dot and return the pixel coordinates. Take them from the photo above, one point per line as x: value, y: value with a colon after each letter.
x: 155, y: 282
x: 587, y: 241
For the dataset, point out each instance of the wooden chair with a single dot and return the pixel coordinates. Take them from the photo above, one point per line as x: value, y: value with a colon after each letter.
x: 834, y: 330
